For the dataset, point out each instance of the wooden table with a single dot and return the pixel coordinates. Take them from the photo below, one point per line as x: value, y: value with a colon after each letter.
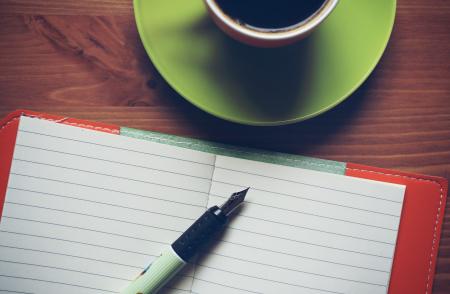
x: 84, y: 59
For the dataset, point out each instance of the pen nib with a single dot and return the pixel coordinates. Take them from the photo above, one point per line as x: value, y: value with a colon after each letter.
x: 233, y: 202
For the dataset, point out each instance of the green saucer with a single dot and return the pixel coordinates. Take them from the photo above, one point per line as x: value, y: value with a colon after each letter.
x: 264, y: 86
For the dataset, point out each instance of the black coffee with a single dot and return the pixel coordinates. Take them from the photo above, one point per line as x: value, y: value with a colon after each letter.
x: 269, y: 14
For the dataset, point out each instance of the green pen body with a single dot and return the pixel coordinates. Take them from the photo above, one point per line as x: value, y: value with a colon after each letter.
x: 174, y: 258
x: 156, y: 275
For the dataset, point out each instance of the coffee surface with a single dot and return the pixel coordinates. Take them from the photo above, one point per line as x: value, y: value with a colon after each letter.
x: 269, y: 14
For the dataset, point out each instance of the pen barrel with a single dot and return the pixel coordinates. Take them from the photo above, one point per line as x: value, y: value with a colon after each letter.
x: 182, y: 250
x: 199, y: 233
x: 157, y: 274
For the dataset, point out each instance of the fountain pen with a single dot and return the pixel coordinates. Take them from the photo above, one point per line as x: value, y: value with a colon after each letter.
x: 191, y: 242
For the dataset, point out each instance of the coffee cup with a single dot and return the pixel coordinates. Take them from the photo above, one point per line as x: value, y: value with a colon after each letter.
x: 269, y: 23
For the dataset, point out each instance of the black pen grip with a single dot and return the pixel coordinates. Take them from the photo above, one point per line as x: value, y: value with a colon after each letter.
x: 199, y: 233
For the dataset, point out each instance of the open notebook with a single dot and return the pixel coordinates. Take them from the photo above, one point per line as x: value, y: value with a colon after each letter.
x: 85, y: 211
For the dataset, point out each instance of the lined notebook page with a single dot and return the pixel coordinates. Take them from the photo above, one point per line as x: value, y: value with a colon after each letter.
x: 86, y: 211
x: 301, y: 231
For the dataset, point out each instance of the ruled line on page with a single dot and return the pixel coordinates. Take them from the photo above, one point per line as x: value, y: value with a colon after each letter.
x: 115, y: 147
x: 147, y: 251
x: 77, y: 242
x: 309, y: 199
x: 302, y: 256
x: 288, y: 192
x: 98, y: 188
x: 302, y: 212
x: 233, y: 168
x: 109, y: 175
x: 303, y: 183
x: 56, y: 282
x: 60, y: 177
x: 75, y: 271
x: 273, y: 281
x: 258, y: 219
x: 178, y: 289
x: 64, y: 269
x: 137, y: 268
x: 232, y: 287
x: 10, y: 291
x: 167, y: 219
x: 310, y: 229
x: 65, y: 284
x: 76, y: 256
x: 112, y: 161
x: 103, y: 203
x: 107, y: 183
x: 95, y: 216
x: 309, y: 243
x: 85, y: 229
x: 305, y: 208
x: 293, y: 270
x: 239, y: 271
x: 54, y: 259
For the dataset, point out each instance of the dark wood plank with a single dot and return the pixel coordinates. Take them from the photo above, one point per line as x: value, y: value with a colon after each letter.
x: 84, y: 59
x: 63, y: 7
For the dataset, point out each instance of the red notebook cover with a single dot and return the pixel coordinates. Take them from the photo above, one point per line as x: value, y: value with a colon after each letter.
x: 420, y: 225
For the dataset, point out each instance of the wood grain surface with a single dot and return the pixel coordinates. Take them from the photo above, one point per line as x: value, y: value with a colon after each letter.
x: 84, y: 59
